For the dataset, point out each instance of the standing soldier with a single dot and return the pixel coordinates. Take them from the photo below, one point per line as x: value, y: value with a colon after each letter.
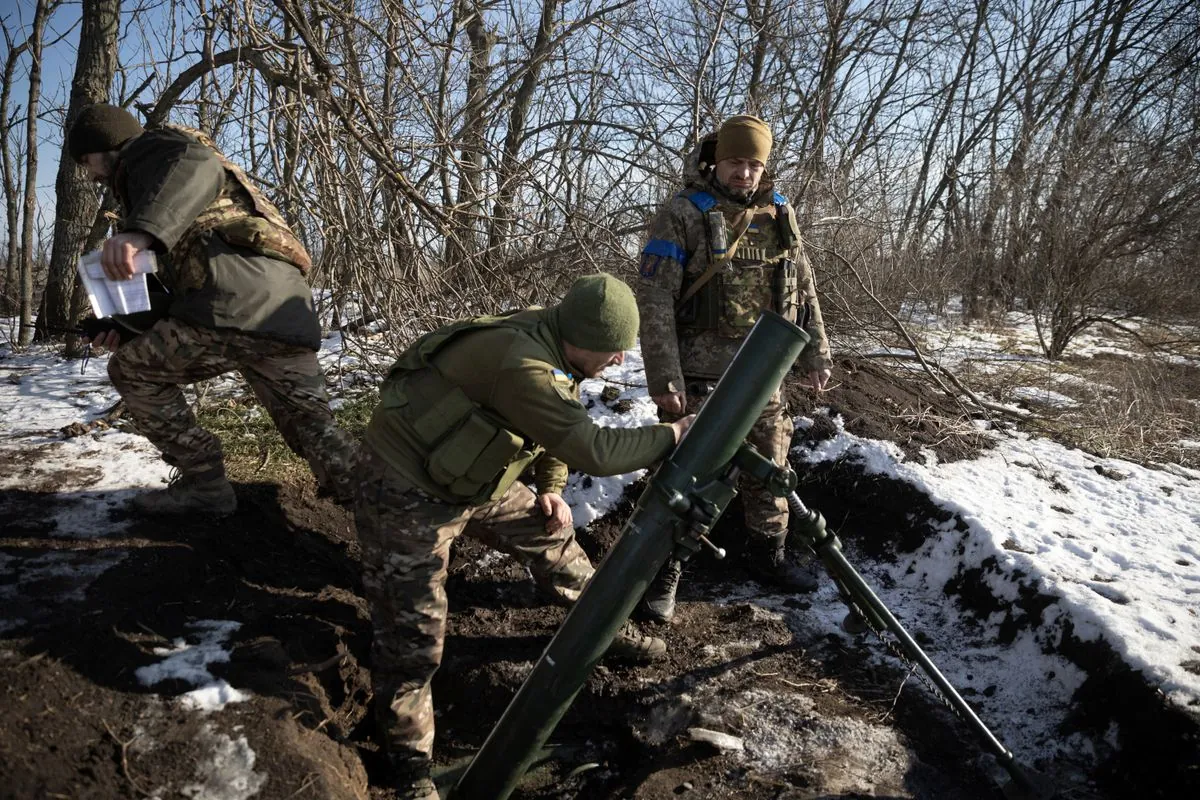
x: 464, y: 411
x: 718, y: 253
x: 239, y: 301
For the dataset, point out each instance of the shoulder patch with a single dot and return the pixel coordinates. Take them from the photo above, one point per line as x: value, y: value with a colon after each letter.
x: 563, y: 384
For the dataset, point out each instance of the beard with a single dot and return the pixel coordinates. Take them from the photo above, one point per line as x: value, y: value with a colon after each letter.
x: 740, y: 195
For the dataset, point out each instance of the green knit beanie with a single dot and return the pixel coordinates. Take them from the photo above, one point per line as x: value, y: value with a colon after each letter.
x: 100, y: 128
x: 599, y: 313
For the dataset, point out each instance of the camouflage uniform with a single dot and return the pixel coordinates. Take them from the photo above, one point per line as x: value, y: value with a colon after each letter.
x: 772, y: 435
x: 686, y: 348
x: 239, y: 300
x: 470, y: 385
x: 286, y: 379
x: 406, y: 537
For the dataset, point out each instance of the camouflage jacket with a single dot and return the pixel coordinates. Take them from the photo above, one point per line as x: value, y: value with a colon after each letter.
x: 512, y: 369
x: 768, y: 268
x: 214, y: 248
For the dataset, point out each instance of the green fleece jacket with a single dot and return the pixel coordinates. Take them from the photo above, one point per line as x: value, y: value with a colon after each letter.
x: 515, y: 370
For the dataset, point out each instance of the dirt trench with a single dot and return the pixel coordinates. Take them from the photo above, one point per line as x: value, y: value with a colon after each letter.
x: 815, y: 715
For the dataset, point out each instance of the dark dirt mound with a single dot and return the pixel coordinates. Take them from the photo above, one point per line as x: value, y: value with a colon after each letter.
x: 815, y: 716
x: 78, y: 722
x: 877, y: 402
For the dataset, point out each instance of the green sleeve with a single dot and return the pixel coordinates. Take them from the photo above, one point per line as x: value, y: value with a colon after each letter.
x: 168, y: 180
x: 528, y: 396
x: 549, y: 475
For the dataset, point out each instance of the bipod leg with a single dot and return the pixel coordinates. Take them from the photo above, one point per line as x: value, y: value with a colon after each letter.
x: 1026, y: 784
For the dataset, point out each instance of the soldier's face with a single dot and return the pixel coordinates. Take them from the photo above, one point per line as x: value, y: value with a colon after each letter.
x: 740, y: 174
x: 590, y: 363
x: 99, y: 166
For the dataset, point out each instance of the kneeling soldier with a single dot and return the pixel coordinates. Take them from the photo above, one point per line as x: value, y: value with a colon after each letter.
x: 464, y: 411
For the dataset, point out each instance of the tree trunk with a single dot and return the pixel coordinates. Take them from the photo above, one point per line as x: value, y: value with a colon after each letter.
x: 40, y: 13
x: 8, y: 303
x: 760, y: 14
x: 76, y: 201
x: 464, y: 242
x: 502, y: 218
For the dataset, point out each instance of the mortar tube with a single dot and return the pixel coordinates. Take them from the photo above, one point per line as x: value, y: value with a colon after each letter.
x: 646, y: 542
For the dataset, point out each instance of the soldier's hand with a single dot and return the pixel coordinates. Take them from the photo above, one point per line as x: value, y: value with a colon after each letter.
x: 671, y: 402
x: 558, y: 513
x: 680, y: 426
x: 116, y: 257
x: 105, y: 342
x: 817, y: 379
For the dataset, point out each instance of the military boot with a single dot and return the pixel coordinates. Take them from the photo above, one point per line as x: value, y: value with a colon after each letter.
x: 658, y: 604
x: 766, y: 559
x: 207, y: 493
x: 412, y: 780
x: 633, y: 645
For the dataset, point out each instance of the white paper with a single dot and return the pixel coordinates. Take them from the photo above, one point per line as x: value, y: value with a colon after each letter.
x: 110, y: 297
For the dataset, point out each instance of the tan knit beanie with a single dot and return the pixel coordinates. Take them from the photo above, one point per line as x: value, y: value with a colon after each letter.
x: 744, y: 136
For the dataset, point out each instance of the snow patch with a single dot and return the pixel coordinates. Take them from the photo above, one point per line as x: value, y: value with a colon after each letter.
x: 229, y: 773
x: 188, y: 662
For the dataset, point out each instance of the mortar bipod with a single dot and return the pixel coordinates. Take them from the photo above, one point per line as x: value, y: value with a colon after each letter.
x: 809, y: 526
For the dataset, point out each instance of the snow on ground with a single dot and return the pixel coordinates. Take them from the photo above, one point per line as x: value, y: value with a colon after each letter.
x: 592, y: 497
x: 229, y: 773
x: 188, y: 662
x: 1117, y: 545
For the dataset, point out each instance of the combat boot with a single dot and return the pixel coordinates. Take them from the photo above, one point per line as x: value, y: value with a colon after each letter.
x: 658, y: 604
x: 208, y: 493
x: 766, y: 559
x: 412, y: 780
x: 633, y: 645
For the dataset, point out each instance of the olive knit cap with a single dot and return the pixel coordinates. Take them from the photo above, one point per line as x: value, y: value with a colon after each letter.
x: 100, y: 128
x: 599, y: 313
x: 744, y: 136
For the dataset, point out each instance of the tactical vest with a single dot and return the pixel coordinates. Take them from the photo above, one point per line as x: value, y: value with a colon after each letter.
x: 241, y: 215
x: 468, y: 451
x: 760, y: 274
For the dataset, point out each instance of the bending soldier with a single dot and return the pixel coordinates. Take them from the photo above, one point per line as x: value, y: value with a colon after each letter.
x: 239, y: 301
x: 718, y: 253
x: 464, y: 412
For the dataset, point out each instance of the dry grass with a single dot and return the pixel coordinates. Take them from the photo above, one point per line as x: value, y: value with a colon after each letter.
x: 1152, y: 407
x: 254, y: 450
x: 1138, y: 408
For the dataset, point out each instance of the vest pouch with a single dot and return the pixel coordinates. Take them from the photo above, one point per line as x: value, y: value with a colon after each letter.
x: 745, y: 292
x: 264, y: 238
x: 472, y: 456
x: 702, y: 311
x: 436, y: 406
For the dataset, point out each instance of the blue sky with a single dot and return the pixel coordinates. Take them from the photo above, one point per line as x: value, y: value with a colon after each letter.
x: 61, y: 44
x: 62, y: 40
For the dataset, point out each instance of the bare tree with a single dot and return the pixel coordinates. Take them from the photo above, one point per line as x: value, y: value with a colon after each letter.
x: 76, y: 203
x: 42, y: 11
x: 12, y: 189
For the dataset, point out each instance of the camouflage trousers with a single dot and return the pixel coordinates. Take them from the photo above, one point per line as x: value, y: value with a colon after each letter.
x: 406, y: 537
x: 149, y: 371
x: 772, y: 435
